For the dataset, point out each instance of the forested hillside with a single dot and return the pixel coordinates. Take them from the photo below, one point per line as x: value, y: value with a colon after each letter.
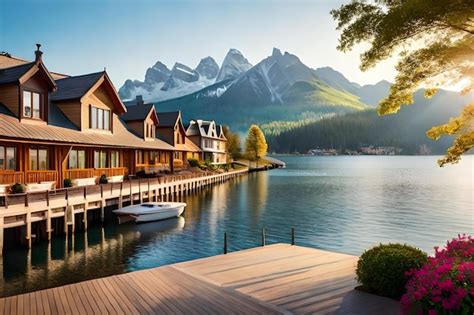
x: 405, y: 130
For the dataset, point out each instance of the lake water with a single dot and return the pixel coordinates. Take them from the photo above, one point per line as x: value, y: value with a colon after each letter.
x: 344, y: 204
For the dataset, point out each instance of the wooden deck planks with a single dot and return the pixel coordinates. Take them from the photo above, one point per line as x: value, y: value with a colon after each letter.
x: 273, y: 279
x: 297, y: 279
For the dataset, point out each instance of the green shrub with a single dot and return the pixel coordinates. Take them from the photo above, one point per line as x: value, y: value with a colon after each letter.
x: 67, y: 182
x: 193, y: 162
x: 103, y: 179
x: 381, y: 270
x: 18, y: 188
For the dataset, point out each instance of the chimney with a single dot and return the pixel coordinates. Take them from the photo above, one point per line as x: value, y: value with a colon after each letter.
x: 38, y: 54
x: 139, y: 100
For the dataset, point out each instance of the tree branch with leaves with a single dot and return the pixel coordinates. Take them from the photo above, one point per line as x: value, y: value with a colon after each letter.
x: 434, y: 42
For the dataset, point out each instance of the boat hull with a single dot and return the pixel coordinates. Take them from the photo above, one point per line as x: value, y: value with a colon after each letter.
x: 140, y: 213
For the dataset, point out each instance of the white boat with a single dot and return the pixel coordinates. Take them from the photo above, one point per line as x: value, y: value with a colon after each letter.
x: 150, y: 211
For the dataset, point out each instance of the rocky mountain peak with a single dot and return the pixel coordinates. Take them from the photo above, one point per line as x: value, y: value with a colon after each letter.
x: 208, y: 68
x: 276, y: 52
x: 233, y: 66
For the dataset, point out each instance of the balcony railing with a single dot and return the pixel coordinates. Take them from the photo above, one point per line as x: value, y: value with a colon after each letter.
x: 94, y: 172
x: 11, y: 177
x: 41, y: 176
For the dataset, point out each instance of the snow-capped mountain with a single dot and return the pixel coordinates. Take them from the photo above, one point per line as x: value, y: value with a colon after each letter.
x: 233, y: 66
x: 162, y: 83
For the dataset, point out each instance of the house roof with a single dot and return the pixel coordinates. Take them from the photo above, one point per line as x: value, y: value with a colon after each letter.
x: 168, y: 119
x: 71, y: 88
x: 188, y: 146
x: 7, y: 60
x: 203, y: 129
x: 14, y: 74
x: 139, y: 112
x: 75, y: 87
x: 12, y: 129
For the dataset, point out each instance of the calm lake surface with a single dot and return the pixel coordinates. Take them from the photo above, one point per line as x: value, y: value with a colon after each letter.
x: 344, y: 204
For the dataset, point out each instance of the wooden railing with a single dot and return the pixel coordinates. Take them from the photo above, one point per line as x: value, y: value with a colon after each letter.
x: 94, y: 172
x: 41, y: 176
x: 11, y: 177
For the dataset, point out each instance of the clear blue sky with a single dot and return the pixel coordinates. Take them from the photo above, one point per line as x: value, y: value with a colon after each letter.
x: 126, y: 37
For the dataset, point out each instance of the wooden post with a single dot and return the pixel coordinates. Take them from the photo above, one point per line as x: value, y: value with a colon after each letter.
x: 140, y: 191
x: 263, y: 236
x: 48, y: 218
x: 149, y: 191
x: 225, y: 242
x: 28, y: 229
x: 102, y: 206
x: 1, y: 236
x: 131, y: 194
x: 293, y: 236
x: 120, y: 205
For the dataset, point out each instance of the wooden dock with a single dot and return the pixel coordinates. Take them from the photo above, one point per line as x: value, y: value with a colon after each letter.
x: 275, y: 279
x: 43, y: 207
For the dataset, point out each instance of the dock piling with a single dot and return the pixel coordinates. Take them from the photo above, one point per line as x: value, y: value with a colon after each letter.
x: 225, y: 242
x: 263, y: 236
x: 293, y: 236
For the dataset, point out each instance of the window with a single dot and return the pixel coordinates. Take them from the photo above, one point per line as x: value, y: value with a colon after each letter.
x: 31, y: 105
x: 77, y: 159
x: 114, y: 159
x: 100, y: 159
x: 139, y: 157
x: 100, y: 118
x: 149, y: 130
x: 39, y: 159
x: 7, y: 158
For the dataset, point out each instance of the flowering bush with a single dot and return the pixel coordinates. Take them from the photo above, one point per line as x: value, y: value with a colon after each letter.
x: 444, y: 285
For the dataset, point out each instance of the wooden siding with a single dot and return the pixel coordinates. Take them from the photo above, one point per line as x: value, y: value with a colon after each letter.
x: 10, y: 97
x: 137, y: 127
x: 166, y: 134
x: 72, y: 110
x: 37, y: 84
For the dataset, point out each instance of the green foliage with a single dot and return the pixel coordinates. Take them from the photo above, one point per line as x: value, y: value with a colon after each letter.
x: 193, y: 162
x: 67, y: 183
x: 437, y: 43
x: 233, y: 148
x: 350, y: 131
x: 103, y: 179
x: 255, y: 144
x: 18, y: 188
x: 382, y: 269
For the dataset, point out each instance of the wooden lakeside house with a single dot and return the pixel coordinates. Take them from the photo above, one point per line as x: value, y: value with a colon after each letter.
x: 210, y: 137
x: 55, y: 127
x: 170, y: 128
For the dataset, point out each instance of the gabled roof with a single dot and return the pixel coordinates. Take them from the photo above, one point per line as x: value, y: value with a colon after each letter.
x: 220, y: 132
x: 168, y: 119
x: 140, y: 112
x: 14, y: 74
x: 22, y: 73
x: 76, y: 87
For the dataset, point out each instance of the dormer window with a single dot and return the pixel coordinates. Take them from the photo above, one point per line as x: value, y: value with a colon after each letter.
x: 100, y: 118
x: 32, y: 105
x: 149, y: 130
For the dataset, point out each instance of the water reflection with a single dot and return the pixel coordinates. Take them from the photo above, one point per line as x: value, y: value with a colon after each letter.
x: 344, y: 204
x: 80, y: 256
